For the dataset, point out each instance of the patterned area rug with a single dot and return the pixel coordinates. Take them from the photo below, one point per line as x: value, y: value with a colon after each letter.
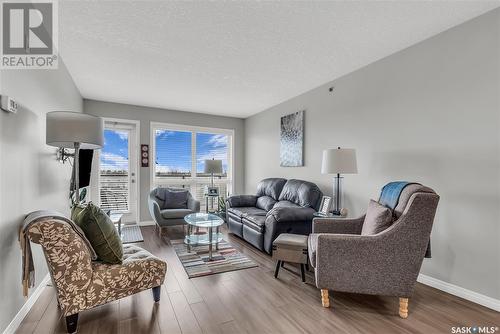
x: 196, y: 263
x: 131, y: 234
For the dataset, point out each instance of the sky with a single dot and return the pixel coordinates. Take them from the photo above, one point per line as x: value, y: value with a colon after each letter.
x: 114, y: 154
x: 173, y: 147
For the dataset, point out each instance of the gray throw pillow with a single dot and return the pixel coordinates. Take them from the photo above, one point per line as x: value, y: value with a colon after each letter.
x: 378, y: 218
x: 176, y: 198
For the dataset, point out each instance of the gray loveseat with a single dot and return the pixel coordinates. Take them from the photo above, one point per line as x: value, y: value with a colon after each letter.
x: 279, y: 206
x: 169, y: 206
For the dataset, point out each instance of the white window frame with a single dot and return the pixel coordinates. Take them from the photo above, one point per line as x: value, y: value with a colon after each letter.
x: 193, y: 180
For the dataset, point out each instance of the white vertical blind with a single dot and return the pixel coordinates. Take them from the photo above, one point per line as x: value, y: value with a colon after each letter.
x: 114, y: 189
x: 173, y: 156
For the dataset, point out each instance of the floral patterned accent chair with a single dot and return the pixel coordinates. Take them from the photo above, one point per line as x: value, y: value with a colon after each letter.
x: 81, y: 283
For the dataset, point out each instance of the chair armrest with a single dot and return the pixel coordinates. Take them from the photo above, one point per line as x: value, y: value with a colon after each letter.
x: 338, y: 225
x: 350, y: 259
x: 284, y: 214
x: 241, y: 201
x: 193, y: 205
x: 154, y: 208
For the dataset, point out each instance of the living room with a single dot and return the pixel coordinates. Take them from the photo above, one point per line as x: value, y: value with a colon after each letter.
x: 249, y: 167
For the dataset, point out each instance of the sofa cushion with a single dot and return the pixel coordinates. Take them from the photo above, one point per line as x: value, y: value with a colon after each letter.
x: 271, y: 187
x: 102, y: 234
x: 265, y: 203
x: 286, y: 204
x: 303, y: 193
x: 175, y: 213
x: 140, y: 271
x: 251, y: 210
x: 241, y: 200
x: 377, y: 219
x: 257, y: 223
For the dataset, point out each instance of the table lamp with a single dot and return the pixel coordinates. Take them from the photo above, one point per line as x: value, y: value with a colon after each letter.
x: 213, y: 167
x: 339, y: 161
x: 74, y: 130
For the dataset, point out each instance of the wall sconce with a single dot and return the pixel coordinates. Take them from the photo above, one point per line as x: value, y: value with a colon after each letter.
x: 63, y: 155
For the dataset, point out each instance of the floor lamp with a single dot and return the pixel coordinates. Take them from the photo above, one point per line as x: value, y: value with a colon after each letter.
x: 72, y: 130
x: 339, y: 161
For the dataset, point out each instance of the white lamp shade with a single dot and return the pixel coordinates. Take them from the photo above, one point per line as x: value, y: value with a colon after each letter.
x: 65, y: 128
x: 339, y: 161
x: 213, y: 166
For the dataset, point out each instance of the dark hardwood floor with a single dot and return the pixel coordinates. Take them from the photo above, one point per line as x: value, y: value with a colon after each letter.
x: 253, y: 301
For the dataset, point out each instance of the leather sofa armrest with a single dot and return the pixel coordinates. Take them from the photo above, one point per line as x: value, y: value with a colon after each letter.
x: 241, y: 201
x: 338, y: 225
x: 287, y: 214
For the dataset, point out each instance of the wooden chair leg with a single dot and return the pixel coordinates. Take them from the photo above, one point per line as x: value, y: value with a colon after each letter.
x: 72, y: 323
x: 403, y: 308
x: 325, y: 299
x: 277, y: 270
x: 156, y: 293
x: 302, y: 273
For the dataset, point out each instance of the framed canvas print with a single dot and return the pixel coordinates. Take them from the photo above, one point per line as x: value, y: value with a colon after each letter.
x: 326, y: 205
x: 213, y: 191
x: 292, y: 140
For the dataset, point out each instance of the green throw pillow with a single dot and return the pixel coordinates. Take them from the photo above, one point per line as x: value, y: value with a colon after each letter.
x: 101, y: 232
x: 75, y: 211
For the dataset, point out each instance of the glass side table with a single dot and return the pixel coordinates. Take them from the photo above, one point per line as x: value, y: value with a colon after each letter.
x: 203, y: 220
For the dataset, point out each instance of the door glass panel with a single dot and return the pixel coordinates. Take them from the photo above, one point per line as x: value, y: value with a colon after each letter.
x: 114, y: 171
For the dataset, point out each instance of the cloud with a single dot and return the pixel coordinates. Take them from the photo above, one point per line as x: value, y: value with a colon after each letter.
x: 218, y: 141
x: 122, y: 134
x: 111, y: 161
x: 164, y: 133
x: 216, y: 153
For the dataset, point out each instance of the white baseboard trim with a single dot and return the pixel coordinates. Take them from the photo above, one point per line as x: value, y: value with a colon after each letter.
x: 18, y: 319
x: 458, y: 291
x: 147, y: 223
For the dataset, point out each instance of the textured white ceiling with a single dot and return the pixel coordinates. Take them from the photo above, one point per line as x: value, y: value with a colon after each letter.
x: 236, y: 58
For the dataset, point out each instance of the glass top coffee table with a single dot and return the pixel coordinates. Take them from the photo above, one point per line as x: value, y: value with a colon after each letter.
x: 203, y: 220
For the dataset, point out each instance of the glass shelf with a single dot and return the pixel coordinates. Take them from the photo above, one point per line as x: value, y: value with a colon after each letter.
x: 202, y: 239
x: 203, y: 220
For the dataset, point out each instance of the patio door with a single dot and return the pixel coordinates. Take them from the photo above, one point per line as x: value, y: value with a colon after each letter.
x: 117, y: 176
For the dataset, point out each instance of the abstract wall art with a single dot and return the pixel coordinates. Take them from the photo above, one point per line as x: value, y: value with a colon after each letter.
x: 292, y: 140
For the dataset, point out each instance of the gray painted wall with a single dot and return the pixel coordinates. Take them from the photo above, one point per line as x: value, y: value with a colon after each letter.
x: 30, y: 177
x: 429, y: 114
x: 147, y: 115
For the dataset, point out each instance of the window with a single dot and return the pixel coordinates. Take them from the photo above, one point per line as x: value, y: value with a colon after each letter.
x: 211, y: 146
x: 179, y: 153
x: 173, y: 153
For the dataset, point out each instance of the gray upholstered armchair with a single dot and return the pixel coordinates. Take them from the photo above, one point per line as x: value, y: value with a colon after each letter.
x: 169, y: 206
x: 386, y: 263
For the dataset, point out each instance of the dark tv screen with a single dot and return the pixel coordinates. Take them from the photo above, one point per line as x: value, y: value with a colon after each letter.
x: 86, y: 157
